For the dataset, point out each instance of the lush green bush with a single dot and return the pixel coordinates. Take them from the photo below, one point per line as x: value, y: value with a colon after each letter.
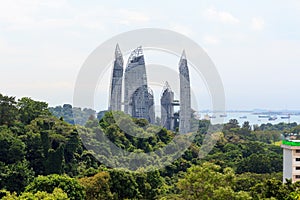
x: 57, y: 194
x: 48, y: 183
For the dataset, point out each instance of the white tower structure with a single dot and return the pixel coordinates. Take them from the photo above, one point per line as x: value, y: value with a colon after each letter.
x: 291, y: 160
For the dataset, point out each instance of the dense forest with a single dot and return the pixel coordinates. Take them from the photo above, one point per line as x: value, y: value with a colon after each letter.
x: 43, y: 155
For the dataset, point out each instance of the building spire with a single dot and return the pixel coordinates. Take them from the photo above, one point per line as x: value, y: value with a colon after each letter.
x: 167, y: 86
x: 183, y: 60
x: 116, y: 81
x: 183, y: 55
x: 118, y: 52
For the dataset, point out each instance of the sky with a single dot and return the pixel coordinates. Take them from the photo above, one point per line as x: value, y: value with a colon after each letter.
x: 255, y: 45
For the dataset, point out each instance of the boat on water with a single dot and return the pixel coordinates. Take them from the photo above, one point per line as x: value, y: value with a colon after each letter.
x: 264, y: 116
x: 243, y: 117
x: 285, y: 117
x: 273, y: 118
x: 212, y: 117
x: 223, y: 115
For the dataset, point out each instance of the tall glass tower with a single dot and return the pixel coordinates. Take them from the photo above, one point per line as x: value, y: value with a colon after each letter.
x: 138, y: 98
x: 116, y: 82
x: 167, y: 109
x: 185, y: 96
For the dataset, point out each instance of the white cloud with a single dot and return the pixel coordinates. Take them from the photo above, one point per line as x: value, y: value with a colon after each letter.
x: 52, y: 3
x: 185, y: 30
x: 36, y: 15
x: 8, y: 50
x: 220, y: 16
x: 209, y: 39
x: 257, y: 24
x: 129, y: 16
x: 18, y: 11
x: 31, y: 14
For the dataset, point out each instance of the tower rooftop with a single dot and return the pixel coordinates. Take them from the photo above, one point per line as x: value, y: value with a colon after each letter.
x: 166, y: 88
x: 118, y: 52
x: 183, y: 55
x: 135, y: 54
x: 183, y: 59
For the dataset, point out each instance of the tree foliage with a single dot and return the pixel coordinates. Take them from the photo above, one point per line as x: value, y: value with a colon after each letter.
x: 57, y: 194
x: 209, y: 181
x: 97, y: 186
x: 8, y: 110
x: 48, y: 183
x: 45, y: 157
x: 30, y: 109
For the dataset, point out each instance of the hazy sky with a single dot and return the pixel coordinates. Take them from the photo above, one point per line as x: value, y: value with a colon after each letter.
x: 255, y: 45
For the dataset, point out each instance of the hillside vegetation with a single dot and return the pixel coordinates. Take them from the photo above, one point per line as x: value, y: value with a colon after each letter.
x: 44, y: 157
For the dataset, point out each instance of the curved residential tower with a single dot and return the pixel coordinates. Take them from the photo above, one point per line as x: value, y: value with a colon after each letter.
x: 167, y: 109
x: 142, y: 104
x: 138, y: 98
x: 185, y: 96
x: 116, y: 81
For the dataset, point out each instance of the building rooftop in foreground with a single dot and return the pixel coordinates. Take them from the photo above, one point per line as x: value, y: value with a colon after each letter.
x: 290, y: 144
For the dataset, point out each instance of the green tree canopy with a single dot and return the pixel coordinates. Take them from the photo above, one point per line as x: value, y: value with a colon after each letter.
x: 11, y: 147
x: 209, y: 181
x: 48, y: 183
x: 8, y: 110
x: 30, y: 109
x: 97, y: 186
x: 57, y: 194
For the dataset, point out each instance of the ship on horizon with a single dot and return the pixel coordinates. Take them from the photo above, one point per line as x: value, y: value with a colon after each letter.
x: 286, y: 117
x: 272, y: 118
x: 264, y: 116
